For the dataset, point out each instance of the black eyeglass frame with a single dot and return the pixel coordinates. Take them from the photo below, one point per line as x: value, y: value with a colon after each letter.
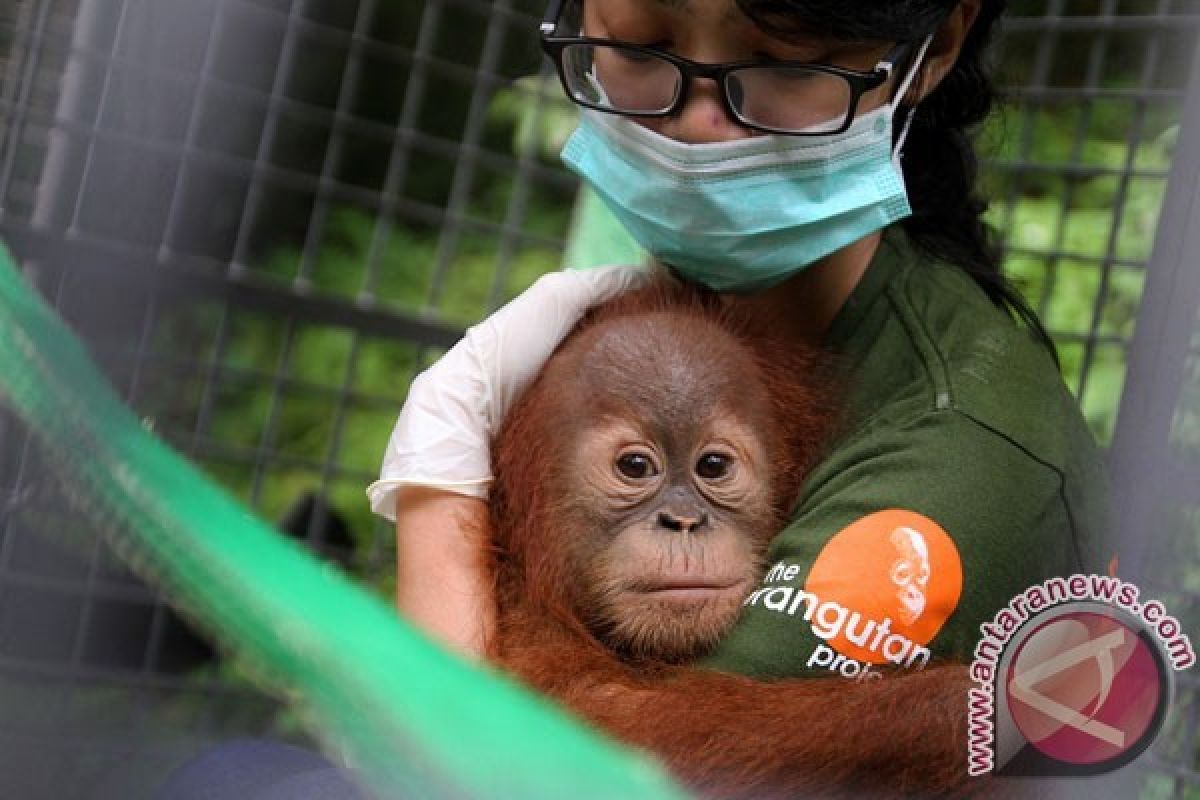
x: 860, y: 82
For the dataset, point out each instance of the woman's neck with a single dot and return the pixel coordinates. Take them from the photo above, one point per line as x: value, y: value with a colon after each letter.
x: 803, y: 306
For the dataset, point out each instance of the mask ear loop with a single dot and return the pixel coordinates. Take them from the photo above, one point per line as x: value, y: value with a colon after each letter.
x: 898, y: 149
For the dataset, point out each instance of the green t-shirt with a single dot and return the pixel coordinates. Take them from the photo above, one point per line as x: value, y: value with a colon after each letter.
x: 964, y: 473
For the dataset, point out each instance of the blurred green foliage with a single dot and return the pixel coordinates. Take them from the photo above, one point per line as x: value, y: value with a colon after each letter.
x: 1078, y: 210
x: 316, y: 407
x: 452, y: 38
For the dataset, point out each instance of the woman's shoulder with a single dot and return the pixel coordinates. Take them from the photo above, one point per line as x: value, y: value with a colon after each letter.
x: 938, y: 344
x: 956, y: 404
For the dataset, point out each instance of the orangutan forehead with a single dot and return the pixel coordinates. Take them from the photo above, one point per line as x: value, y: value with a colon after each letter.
x: 674, y: 352
x: 668, y: 370
x: 615, y: 427
x: 677, y: 397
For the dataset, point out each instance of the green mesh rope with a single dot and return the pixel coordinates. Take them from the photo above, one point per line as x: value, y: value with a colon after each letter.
x: 414, y: 720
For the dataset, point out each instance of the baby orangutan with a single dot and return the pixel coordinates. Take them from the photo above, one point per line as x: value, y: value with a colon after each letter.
x: 639, y: 483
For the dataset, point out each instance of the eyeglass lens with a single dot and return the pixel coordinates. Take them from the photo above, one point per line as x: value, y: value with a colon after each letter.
x: 621, y: 79
x: 636, y: 82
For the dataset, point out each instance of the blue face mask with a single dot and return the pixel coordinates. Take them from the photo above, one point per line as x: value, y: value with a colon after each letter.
x: 744, y: 215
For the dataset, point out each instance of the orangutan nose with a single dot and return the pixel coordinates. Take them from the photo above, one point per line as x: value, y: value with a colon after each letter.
x: 680, y: 523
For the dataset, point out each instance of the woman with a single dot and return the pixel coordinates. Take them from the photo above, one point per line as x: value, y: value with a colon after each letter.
x: 809, y: 159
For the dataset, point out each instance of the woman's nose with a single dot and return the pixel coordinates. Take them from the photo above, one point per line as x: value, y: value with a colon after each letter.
x: 703, y: 117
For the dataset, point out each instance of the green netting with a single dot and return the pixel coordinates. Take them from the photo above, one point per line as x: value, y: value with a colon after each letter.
x: 415, y: 720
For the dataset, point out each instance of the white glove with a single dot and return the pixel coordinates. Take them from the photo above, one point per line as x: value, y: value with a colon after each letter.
x: 453, y: 408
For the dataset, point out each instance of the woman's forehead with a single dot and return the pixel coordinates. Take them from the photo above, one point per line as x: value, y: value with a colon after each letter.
x: 726, y: 9
x: 799, y: 21
x: 727, y: 17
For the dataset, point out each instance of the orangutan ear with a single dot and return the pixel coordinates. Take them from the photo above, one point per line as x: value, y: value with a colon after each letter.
x: 943, y: 50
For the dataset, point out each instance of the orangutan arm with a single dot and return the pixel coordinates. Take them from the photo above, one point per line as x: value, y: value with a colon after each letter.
x: 728, y: 736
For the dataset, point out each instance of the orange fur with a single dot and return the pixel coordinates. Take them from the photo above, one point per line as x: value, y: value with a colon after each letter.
x: 723, y: 735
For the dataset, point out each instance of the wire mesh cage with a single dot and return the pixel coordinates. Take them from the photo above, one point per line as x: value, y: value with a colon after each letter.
x: 265, y: 216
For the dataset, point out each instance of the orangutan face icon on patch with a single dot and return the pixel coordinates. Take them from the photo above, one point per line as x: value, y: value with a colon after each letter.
x: 882, y: 587
x: 910, y: 571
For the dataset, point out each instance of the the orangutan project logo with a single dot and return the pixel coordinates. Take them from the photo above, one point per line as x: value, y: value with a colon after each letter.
x: 875, y: 596
x: 1074, y: 678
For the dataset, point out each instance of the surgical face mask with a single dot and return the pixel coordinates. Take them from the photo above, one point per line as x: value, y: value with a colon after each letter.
x: 744, y: 215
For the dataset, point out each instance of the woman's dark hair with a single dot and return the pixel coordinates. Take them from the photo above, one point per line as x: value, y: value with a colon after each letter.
x: 940, y: 164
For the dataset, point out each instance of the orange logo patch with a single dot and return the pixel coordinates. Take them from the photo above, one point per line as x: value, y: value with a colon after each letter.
x: 891, y: 579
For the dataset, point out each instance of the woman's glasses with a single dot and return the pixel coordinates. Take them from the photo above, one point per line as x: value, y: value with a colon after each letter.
x: 795, y: 98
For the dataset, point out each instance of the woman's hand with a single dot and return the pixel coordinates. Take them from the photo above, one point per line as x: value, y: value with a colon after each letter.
x: 453, y: 408
x: 437, y: 468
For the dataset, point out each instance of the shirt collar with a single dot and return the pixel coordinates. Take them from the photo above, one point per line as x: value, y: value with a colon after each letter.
x: 892, y: 256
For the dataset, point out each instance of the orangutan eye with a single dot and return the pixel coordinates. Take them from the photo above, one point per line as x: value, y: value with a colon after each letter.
x: 714, y: 466
x: 636, y: 466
